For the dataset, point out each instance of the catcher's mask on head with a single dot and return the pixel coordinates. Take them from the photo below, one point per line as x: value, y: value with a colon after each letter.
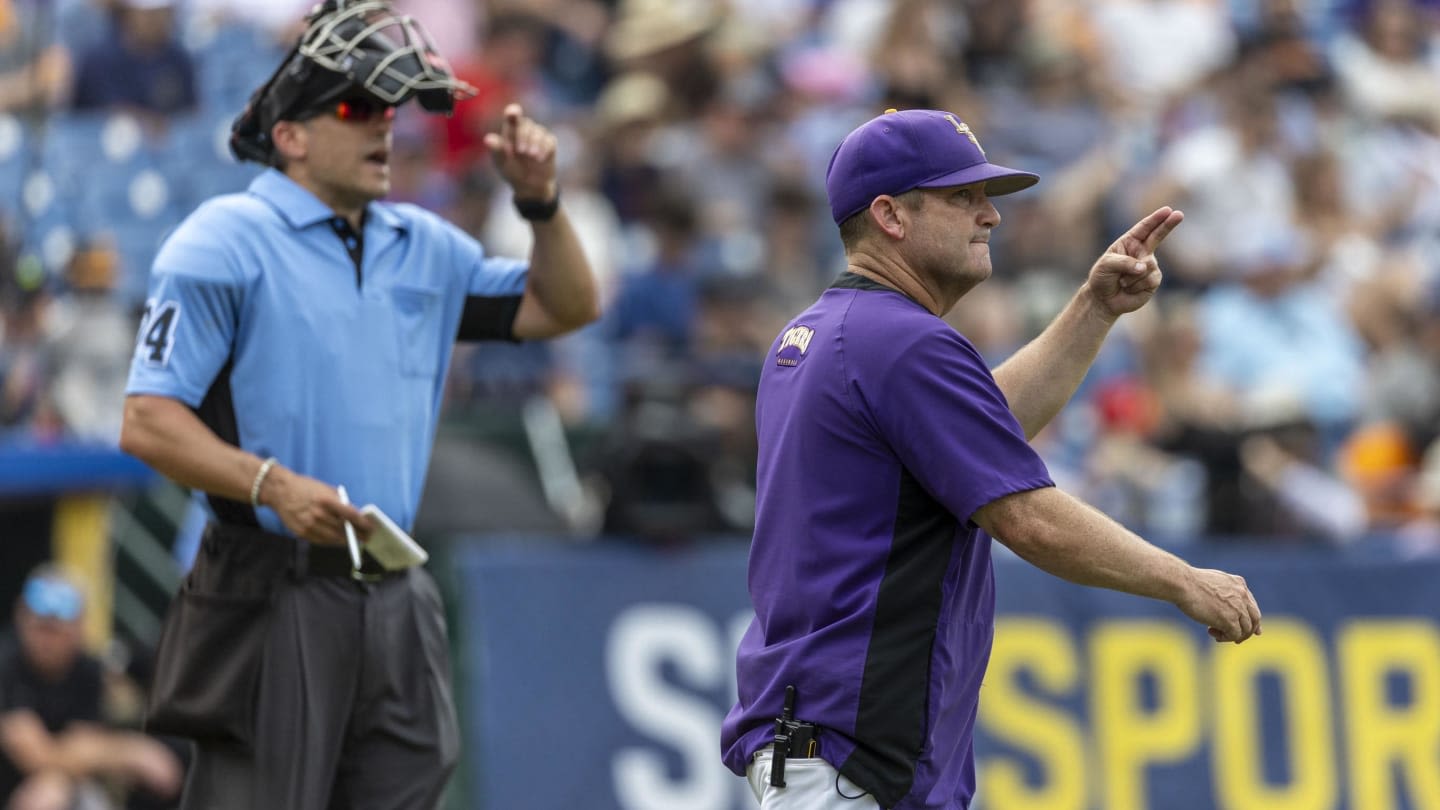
x: 348, y: 47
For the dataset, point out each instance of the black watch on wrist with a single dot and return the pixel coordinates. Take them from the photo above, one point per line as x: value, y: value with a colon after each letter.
x: 538, y: 210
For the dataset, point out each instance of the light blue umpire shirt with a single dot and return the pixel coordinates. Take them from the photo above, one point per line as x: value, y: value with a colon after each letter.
x: 292, y: 338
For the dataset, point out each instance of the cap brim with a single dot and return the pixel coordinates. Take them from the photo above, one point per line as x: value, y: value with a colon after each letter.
x: 998, y: 180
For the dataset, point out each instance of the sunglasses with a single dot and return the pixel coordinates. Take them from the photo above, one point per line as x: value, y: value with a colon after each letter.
x: 356, y: 111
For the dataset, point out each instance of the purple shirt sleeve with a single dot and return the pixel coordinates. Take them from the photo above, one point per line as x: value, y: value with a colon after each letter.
x: 940, y: 409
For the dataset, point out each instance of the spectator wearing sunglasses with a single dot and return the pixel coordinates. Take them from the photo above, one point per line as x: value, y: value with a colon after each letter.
x: 295, y: 344
x: 54, y: 745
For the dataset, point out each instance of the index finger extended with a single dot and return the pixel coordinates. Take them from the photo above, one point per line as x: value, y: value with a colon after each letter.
x: 1146, y: 235
x: 511, y: 123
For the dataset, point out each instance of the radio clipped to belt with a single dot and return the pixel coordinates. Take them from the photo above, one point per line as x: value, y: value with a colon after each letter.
x: 793, y: 738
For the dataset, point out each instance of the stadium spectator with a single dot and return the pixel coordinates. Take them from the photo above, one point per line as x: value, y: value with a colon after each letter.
x: 654, y: 312
x: 1255, y: 117
x: 87, y: 338
x: 505, y: 69
x: 1184, y: 41
x: 34, y: 65
x: 1384, y: 66
x: 915, y: 56
x: 1267, y: 328
x: 668, y: 38
x: 56, y: 751
x: 1231, y: 175
x: 628, y: 129
x: 142, y: 67
x: 27, y: 407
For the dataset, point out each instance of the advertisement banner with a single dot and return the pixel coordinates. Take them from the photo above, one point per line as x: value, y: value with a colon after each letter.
x: 596, y: 677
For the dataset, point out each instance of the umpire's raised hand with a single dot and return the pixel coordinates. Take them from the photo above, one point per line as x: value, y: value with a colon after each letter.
x: 524, y: 154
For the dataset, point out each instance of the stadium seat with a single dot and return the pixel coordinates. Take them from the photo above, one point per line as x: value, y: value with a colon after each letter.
x: 136, y: 243
x: 198, y: 161
x: 119, y: 196
x: 234, y: 61
x: 45, y: 223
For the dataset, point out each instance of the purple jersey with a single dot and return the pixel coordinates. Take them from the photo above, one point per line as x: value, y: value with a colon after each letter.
x: 881, y: 432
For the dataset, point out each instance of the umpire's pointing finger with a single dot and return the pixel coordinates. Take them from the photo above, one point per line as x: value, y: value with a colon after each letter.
x: 513, y: 114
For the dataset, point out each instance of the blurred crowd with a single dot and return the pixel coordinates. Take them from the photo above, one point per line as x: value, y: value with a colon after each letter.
x: 1284, y: 384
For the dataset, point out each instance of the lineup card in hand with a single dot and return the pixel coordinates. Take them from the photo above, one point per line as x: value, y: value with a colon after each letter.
x: 390, y: 545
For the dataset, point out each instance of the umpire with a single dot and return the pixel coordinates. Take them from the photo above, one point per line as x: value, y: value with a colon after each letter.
x: 296, y: 339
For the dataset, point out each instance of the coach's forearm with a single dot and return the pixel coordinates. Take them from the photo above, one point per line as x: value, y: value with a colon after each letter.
x: 166, y: 435
x: 1066, y: 537
x: 560, y: 278
x: 1042, y: 376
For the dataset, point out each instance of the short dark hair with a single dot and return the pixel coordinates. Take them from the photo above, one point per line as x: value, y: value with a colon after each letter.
x: 858, y: 225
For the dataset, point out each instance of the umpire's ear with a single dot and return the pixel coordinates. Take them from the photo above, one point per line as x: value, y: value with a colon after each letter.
x: 291, y: 140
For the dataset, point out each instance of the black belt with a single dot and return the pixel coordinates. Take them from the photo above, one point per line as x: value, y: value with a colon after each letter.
x: 310, y: 559
x: 334, y: 561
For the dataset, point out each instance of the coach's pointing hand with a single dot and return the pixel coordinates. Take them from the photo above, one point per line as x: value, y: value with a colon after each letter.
x: 1126, y: 275
x: 524, y: 154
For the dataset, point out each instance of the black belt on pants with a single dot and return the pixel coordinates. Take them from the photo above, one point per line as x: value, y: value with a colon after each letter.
x: 309, y: 559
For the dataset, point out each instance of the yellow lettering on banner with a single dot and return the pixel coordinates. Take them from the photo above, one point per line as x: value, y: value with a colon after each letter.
x: 1050, y: 735
x: 1128, y: 735
x: 1382, y: 734
x: 1293, y: 653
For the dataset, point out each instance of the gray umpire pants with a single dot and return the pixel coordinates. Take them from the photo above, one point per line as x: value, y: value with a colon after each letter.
x: 354, y: 708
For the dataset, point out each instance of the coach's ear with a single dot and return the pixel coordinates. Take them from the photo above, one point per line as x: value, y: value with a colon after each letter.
x: 888, y: 215
x: 291, y: 139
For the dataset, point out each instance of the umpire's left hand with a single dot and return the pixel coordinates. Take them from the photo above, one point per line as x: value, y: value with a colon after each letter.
x: 524, y: 154
x: 1127, y: 275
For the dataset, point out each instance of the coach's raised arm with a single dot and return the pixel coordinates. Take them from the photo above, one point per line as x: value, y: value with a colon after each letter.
x: 889, y: 455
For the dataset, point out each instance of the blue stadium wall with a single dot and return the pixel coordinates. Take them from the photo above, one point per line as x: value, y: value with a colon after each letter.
x: 596, y: 677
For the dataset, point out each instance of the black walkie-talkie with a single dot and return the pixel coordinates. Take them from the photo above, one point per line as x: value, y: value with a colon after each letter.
x: 782, y: 738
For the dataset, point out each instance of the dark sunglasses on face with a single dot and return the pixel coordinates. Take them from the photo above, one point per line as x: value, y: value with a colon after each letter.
x: 357, y: 111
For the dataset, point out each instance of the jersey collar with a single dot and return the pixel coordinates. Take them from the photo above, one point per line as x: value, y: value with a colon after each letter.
x: 301, y: 209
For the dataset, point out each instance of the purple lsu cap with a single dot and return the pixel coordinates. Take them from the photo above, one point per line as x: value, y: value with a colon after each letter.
x: 899, y: 151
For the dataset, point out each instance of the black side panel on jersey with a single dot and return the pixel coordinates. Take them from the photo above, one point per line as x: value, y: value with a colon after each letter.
x: 891, y: 723
x: 217, y: 411
x: 489, y: 317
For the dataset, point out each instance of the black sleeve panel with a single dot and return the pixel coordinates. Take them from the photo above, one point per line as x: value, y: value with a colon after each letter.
x: 489, y: 318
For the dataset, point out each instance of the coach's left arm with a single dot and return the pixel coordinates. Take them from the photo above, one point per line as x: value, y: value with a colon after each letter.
x: 560, y: 294
x: 1042, y: 376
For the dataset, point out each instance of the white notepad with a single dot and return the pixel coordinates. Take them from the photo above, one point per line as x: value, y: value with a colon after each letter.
x: 390, y: 545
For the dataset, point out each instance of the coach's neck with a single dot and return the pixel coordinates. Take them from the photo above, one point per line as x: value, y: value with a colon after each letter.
x: 894, y: 273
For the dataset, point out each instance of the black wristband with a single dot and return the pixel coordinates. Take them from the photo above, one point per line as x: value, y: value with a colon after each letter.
x: 538, y: 210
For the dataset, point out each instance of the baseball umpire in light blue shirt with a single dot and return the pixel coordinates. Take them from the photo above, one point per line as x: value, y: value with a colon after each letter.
x: 295, y: 341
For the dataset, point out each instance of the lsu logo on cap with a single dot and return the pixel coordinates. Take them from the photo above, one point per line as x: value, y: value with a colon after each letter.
x: 964, y: 129
x: 793, y: 345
